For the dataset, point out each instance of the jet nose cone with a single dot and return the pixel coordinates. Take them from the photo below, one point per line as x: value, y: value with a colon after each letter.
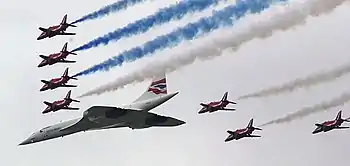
x: 25, y: 142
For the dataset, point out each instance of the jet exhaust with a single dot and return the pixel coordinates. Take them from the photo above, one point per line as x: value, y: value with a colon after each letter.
x: 222, y: 18
x: 253, y: 26
x: 106, y: 10
x: 323, y: 106
x: 313, y: 79
x: 164, y: 15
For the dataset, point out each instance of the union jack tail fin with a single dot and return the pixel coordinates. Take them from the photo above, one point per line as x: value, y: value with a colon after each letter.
x: 157, y: 88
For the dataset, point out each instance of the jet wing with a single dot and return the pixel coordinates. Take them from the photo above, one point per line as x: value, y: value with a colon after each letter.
x: 66, y: 61
x: 253, y: 136
x: 228, y: 109
x: 131, y: 118
x: 44, y: 57
x: 120, y: 117
x: 45, y: 82
x: 152, y: 119
x: 64, y: 33
x: 68, y: 85
x: 48, y: 103
x: 44, y: 29
x: 70, y: 108
x: 342, y: 127
x: 204, y: 105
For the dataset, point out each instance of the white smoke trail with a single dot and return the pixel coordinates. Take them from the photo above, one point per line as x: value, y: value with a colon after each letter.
x: 313, y: 79
x: 263, y: 25
x: 324, y: 106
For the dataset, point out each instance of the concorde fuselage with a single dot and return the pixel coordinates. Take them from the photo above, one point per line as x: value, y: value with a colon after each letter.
x: 55, y: 131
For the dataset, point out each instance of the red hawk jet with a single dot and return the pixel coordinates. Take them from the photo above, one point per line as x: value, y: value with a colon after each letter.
x: 330, y: 125
x: 240, y: 133
x: 56, y: 57
x: 56, y: 29
x: 58, y: 82
x: 217, y: 105
x: 60, y: 104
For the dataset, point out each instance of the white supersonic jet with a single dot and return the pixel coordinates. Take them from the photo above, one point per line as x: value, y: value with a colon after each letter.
x: 135, y: 116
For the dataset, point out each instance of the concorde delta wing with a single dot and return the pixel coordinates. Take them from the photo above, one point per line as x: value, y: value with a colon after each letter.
x: 105, y: 117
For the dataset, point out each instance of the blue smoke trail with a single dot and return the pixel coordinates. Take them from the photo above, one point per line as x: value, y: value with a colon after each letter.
x: 222, y: 18
x: 174, y: 12
x: 115, y: 7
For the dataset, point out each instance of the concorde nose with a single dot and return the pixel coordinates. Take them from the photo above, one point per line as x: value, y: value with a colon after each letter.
x: 25, y: 142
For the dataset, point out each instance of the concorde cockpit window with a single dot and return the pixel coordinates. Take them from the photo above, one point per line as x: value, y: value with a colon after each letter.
x: 44, y: 129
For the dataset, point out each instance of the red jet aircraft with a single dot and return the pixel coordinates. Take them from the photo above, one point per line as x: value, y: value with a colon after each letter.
x: 240, y: 133
x: 56, y: 57
x: 58, y: 82
x: 217, y: 105
x: 60, y: 104
x: 330, y: 125
x: 56, y: 29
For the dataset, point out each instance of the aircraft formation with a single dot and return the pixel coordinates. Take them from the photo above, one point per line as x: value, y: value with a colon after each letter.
x: 52, y: 59
x: 135, y: 115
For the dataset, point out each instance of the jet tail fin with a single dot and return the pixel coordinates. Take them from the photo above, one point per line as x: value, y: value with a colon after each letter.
x: 339, y: 116
x: 64, y: 49
x: 158, y: 87
x: 65, y: 74
x: 68, y: 96
x: 224, y: 98
x: 250, y: 125
x: 64, y: 21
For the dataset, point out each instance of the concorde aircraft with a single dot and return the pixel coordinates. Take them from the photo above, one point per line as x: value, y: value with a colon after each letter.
x: 134, y: 116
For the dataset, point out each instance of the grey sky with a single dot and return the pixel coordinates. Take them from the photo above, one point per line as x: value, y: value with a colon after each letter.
x: 321, y: 44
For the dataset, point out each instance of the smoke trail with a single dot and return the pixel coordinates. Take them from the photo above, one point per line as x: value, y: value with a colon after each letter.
x: 313, y: 79
x: 174, y: 12
x: 106, y: 10
x: 254, y: 26
x: 324, y: 106
x: 219, y: 19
